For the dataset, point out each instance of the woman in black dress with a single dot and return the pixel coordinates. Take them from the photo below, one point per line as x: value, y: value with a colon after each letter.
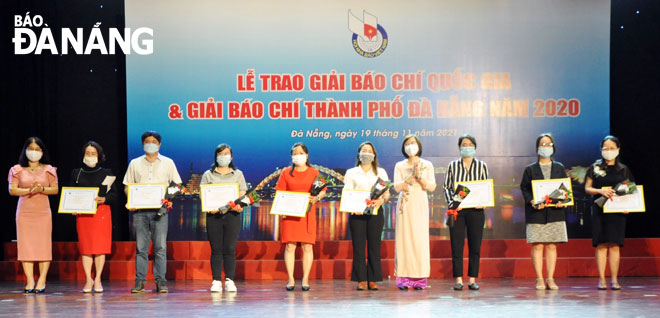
x: 608, y: 230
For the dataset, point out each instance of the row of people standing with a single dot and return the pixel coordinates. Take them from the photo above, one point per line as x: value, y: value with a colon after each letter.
x: 33, y: 179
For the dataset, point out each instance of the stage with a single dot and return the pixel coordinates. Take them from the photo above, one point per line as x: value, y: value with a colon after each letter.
x: 498, y: 297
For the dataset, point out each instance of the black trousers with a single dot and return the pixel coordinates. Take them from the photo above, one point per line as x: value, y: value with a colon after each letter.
x: 222, y: 231
x: 366, y: 231
x: 472, y: 222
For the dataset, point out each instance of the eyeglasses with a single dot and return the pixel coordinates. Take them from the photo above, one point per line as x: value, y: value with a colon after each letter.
x: 546, y: 144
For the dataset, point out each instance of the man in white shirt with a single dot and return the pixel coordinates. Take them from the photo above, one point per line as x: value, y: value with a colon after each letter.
x: 150, y: 168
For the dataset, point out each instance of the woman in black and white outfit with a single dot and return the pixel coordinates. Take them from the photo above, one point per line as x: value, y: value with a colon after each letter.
x: 366, y: 230
x: 470, y: 220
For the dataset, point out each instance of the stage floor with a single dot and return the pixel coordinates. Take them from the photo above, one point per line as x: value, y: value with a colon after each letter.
x: 498, y: 297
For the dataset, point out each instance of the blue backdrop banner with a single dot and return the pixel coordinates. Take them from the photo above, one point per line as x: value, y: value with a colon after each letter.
x: 262, y: 75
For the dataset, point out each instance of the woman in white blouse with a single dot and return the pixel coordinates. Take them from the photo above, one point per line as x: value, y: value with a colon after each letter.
x: 366, y: 230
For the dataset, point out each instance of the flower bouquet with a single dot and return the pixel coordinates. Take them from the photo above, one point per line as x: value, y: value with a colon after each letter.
x: 378, y: 189
x: 320, y: 183
x: 249, y: 198
x: 172, y: 191
x: 452, y: 213
x: 561, y: 194
x: 621, y: 188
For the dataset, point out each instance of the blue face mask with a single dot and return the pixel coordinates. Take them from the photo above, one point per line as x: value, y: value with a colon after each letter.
x: 150, y: 148
x: 468, y: 151
x: 223, y: 161
x: 545, y: 152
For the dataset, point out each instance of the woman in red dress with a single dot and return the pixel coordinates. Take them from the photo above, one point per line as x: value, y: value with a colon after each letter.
x: 94, y: 230
x: 299, y: 178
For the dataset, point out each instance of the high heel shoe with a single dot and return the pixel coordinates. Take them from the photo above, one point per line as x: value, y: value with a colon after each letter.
x: 602, y: 286
x: 540, y: 285
x: 290, y: 287
x: 29, y: 291
x: 303, y: 287
x: 615, y: 286
x: 550, y: 283
x: 40, y: 291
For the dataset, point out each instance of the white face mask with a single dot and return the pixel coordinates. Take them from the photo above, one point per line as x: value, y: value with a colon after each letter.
x: 610, y: 154
x: 150, y: 148
x: 91, y: 161
x: 33, y: 155
x: 223, y: 161
x: 366, y: 158
x: 299, y: 160
x: 411, y: 149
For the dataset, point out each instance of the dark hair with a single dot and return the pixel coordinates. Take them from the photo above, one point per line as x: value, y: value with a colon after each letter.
x: 99, y: 150
x: 151, y: 133
x: 552, y: 139
x: 23, y: 160
x: 468, y: 136
x: 403, y: 145
x: 617, y: 162
x: 219, y: 149
x: 304, y: 148
x: 374, y: 164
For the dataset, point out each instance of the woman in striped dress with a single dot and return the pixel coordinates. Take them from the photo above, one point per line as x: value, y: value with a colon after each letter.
x: 546, y: 226
x: 470, y: 220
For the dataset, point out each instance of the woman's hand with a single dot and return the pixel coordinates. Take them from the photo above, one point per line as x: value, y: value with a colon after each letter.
x: 540, y: 206
x: 100, y: 200
x: 36, y: 188
x: 237, y: 208
x: 559, y: 205
x: 609, y: 192
x: 313, y: 199
x: 377, y: 203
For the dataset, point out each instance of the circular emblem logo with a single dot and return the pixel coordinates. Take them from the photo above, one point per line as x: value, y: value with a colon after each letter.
x: 370, y: 47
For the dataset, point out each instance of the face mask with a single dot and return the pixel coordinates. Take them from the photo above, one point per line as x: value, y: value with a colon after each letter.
x: 607, y: 154
x: 299, y: 160
x: 33, y: 155
x: 91, y: 161
x: 366, y: 157
x: 468, y: 151
x: 150, y: 148
x: 545, y: 152
x: 223, y: 161
x: 411, y: 149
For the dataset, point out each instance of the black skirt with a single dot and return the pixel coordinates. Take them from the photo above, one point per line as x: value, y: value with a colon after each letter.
x: 607, y: 227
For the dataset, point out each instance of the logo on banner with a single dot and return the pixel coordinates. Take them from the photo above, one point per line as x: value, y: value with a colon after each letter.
x: 369, y: 37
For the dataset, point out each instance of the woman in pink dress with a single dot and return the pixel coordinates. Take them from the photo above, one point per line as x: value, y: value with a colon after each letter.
x: 33, y: 179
